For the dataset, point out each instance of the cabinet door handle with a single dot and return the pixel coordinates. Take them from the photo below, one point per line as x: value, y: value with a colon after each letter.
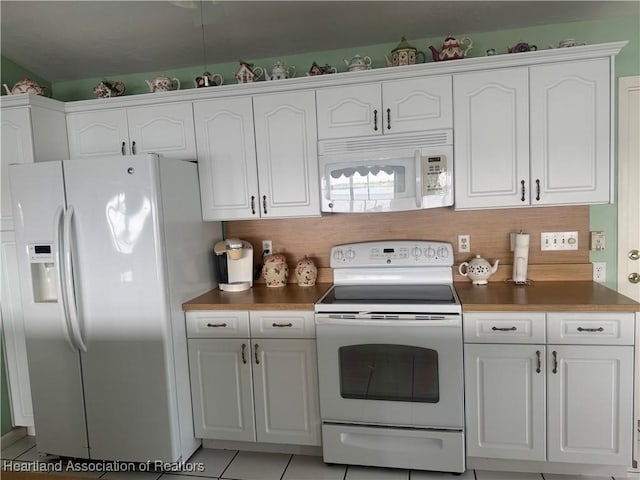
x: 538, y: 362
x: 133, y: 147
x: 264, y: 204
x: 255, y: 354
x: 124, y: 144
x: 388, y: 119
x: 274, y: 324
x: 253, y: 204
x: 215, y: 325
x: 523, y: 190
x: 504, y: 329
x: 537, y: 189
x: 599, y: 329
x: 375, y: 120
x: 244, y: 348
x: 555, y: 361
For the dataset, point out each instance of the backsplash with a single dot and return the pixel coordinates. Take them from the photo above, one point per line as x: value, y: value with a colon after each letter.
x: 489, y: 231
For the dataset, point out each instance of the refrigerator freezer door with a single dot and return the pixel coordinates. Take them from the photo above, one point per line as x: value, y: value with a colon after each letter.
x: 122, y: 308
x: 54, y: 367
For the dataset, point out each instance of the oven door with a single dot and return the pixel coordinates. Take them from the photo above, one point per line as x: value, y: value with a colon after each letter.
x: 401, y: 371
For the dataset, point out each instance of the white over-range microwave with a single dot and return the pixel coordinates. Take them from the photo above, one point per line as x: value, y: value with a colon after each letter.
x: 387, y: 173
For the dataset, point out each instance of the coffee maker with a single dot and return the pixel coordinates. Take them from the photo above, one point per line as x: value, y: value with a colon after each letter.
x: 234, y: 263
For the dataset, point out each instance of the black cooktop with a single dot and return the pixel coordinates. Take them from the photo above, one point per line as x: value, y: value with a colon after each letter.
x: 390, y: 294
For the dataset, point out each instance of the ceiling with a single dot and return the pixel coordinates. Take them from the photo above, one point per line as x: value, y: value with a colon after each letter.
x: 71, y: 40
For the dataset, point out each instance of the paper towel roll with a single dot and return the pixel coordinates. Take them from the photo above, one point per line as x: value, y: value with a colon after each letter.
x: 521, y: 257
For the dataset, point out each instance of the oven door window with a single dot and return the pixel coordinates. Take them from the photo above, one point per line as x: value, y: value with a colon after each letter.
x: 389, y: 372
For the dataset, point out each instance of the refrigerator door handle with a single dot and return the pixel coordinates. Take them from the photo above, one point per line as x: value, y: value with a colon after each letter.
x: 62, y: 301
x: 68, y: 278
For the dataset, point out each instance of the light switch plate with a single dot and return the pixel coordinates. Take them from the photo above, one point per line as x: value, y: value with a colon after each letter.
x: 597, y: 241
x: 559, y: 241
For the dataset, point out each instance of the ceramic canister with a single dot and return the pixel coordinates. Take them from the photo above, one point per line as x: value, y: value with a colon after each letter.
x: 275, y: 270
x: 306, y: 272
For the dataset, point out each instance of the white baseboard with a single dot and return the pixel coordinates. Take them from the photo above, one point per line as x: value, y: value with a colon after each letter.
x: 617, y: 471
x: 264, y: 447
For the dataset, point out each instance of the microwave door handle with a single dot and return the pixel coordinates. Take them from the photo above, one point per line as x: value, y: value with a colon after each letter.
x: 418, y: 159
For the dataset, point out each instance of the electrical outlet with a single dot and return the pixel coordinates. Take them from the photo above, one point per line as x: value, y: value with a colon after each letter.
x: 267, y: 247
x: 559, y: 241
x: 464, y: 243
x: 599, y: 271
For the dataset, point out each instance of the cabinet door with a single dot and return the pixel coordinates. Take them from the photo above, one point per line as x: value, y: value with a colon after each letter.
x: 287, y: 154
x: 505, y: 401
x: 98, y: 134
x: 17, y: 147
x: 13, y: 332
x: 417, y: 104
x: 570, y: 132
x: 221, y: 390
x: 491, y: 145
x: 286, y: 391
x: 227, y: 159
x: 590, y: 404
x: 165, y: 129
x: 349, y: 111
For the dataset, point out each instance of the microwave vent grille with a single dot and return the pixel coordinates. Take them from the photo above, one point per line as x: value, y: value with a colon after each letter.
x: 432, y: 138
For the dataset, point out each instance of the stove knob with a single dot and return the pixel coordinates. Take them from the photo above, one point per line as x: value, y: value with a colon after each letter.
x: 431, y: 252
x: 443, y: 252
x: 351, y: 254
x: 416, y: 252
x: 338, y: 255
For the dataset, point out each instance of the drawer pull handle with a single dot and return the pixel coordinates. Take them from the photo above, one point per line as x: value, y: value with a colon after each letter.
x: 504, y: 329
x: 555, y: 361
x: 255, y: 353
x: 215, y: 325
x: 274, y: 324
x: 599, y: 329
x: 538, y: 362
x: 375, y: 120
x: 388, y: 119
x: 244, y: 348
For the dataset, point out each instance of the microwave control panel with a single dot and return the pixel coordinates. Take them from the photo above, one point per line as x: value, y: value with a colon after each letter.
x: 434, y: 174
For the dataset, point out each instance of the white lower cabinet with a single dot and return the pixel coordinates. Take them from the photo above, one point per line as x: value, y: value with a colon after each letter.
x: 553, y: 400
x: 254, y: 389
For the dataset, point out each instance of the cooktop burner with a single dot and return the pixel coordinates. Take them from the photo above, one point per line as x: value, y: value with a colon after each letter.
x: 390, y: 294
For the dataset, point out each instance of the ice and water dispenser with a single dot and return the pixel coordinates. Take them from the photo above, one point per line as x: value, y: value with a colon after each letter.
x: 43, y: 273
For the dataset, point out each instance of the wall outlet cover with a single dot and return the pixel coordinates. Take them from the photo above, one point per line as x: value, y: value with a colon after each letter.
x: 599, y: 272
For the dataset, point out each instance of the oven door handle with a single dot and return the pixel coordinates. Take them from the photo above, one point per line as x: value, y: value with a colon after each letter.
x: 366, y: 320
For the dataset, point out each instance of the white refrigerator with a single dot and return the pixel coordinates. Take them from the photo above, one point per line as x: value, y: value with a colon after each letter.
x: 109, y: 249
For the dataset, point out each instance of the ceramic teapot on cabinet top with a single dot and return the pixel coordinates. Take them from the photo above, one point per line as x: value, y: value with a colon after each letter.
x: 478, y: 270
x: 451, y: 49
x: 107, y: 89
x: 163, y: 84
x: 280, y: 71
x: 358, y: 63
x: 404, y: 54
x: 26, y: 85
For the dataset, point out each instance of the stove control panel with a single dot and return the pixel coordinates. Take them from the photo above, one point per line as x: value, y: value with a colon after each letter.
x: 397, y: 253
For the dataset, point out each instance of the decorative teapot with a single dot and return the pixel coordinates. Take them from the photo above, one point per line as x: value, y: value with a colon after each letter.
x: 358, y: 63
x: 107, y: 89
x: 163, y: 84
x: 280, y: 71
x: 247, y: 73
x: 451, y: 49
x: 321, y: 70
x: 208, y: 80
x: 26, y: 85
x: 306, y: 272
x: 478, y: 270
x: 275, y: 270
x: 404, y: 54
x: 522, y: 47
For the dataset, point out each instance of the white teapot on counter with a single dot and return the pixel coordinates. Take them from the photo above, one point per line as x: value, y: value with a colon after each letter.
x: 478, y: 270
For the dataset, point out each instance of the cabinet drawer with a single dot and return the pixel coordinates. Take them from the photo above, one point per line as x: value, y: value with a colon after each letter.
x: 498, y: 327
x: 209, y: 324
x: 590, y: 328
x: 282, y: 324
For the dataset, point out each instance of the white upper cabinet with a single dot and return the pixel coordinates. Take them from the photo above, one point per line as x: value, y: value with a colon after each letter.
x: 267, y: 167
x: 570, y: 132
x: 166, y: 129
x: 491, y: 146
x: 536, y: 135
x: 395, y: 106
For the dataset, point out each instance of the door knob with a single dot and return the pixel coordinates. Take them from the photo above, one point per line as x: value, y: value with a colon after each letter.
x: 634, y: 277
x: 634, y: 254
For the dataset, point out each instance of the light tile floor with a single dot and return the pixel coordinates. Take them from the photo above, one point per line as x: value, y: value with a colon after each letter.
x: 241, y: 465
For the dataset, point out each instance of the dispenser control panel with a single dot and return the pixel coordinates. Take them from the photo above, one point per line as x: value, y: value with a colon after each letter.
x: 40, y: 253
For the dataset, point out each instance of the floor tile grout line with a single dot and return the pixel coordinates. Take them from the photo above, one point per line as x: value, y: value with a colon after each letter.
x: 228, y: 464
x: 287, y: 466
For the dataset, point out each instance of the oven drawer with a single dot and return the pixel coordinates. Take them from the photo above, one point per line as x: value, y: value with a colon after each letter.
x: 591, y: 328
x: 504, y: 327
x: 282, y: 324
x: 208, y: 324
x: 392, y: 447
